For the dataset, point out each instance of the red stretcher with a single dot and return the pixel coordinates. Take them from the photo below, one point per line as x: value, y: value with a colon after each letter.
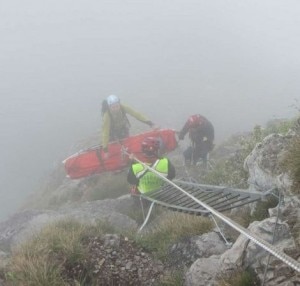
x: 91, y: 161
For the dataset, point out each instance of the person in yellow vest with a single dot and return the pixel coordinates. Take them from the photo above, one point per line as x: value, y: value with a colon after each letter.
x: 115, y: 124
x: 143, y: 179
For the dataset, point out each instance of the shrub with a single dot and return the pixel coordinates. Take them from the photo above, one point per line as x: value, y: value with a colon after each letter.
x: 228, y: 170
x: 278, y: 126
x: 173, y: 278
x: 239, y: 278
x: 261, y: 209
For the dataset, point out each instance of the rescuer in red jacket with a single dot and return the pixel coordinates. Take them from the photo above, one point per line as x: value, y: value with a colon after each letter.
x: 201, y: 134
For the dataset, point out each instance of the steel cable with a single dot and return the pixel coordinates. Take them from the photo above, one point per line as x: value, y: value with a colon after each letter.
x: 265, y: 245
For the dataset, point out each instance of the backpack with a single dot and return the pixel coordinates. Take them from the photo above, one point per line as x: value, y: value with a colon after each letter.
x: 105, y: 108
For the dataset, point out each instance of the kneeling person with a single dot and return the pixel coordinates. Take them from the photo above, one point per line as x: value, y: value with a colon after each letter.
x: 143, y: 179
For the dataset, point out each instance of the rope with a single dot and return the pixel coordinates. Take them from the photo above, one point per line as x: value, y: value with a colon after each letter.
x: 147, y: 218
x: 221, y: 233
x: 265, y: 245
x: 142, y: 206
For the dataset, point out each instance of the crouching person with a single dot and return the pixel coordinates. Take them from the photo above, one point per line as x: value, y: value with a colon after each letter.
x: 144, y: 180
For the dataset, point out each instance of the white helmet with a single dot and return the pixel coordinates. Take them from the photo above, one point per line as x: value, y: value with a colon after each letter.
x: 112, y: 99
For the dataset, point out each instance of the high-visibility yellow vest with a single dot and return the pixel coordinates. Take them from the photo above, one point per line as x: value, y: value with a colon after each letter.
x: 149, y: 181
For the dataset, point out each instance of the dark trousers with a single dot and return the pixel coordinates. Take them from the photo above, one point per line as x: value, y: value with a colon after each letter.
x: 196, y: 152
x: 118, y: 135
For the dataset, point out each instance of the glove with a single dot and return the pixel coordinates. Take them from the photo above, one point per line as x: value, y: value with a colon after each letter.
x: 180, y: 136
x: 105, y: 153
x: 150, y: 123
x: 134, y: 190
x: 131, y: 157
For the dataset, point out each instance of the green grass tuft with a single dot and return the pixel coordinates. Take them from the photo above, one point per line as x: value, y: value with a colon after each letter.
x: 171, y: 227
x: 58, y: 247
x: 239, y: 278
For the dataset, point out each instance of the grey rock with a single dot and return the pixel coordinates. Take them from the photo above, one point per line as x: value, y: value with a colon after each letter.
x: 187, y: 251
x: 203, y: 272
x: 23, y: 225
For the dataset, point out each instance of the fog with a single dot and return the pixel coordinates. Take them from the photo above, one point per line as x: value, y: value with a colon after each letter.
x: 236, y: 62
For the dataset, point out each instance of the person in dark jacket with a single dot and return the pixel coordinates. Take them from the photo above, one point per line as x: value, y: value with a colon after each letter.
x: 115, y: 124
x: 143, y: 179
x: 201, y: 134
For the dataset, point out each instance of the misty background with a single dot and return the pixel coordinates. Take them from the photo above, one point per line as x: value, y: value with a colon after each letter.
x: 235, y: 62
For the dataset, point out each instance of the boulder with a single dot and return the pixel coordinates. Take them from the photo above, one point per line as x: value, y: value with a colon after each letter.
x: 263, y: 164
x: 25, y: 224
x: 245, y: 253
x: 203, y: 272
x: 190, y: 249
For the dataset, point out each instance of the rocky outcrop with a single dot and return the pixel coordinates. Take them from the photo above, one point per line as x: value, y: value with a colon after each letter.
x: 263, y: 164
x: 245, y: 253
x: 205, y: 251
x: 203, y: 272
x: 190, y: 249
x: 265, y: 173
x: 24, y: 225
